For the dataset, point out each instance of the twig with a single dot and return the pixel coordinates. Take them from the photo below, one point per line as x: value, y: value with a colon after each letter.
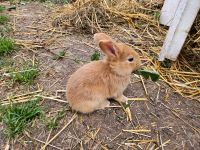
x: 47, y: 138
x: 43, y: 142
x: 15, y: 102
x: 22, y: 95
x: 138, y: 133
x: 175, y: 114
x: 52, y: 98
x: 187, y: 136
x: 158, y: 94
x: 53, y: 83
x: 128, y: 112
x: 115, y: 137
x: 160, y: 140
x: 60, y: 91
x: 73, y: 117
x: 113, y: 106
x: 7, y: 147
x: 98, y: 142
x: 162, y: 145
x: 137, y: 99
x: 92, y: 136
x: 133, y: 131
x: 145, y: 89
x: 142, y: 141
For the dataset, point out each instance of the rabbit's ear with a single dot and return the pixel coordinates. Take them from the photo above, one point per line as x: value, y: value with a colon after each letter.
x: 101, y: 37
x: 109, y: 48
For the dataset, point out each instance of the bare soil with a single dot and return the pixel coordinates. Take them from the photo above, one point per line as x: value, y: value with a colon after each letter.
x: 170, y: 117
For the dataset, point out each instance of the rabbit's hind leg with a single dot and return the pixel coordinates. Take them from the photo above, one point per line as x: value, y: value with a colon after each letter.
x: 89, y: 106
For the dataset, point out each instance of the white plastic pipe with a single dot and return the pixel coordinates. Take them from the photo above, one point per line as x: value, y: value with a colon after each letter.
x: 180, y: 25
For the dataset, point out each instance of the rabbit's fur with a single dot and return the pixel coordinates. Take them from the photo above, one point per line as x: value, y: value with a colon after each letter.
x: 91, y: 85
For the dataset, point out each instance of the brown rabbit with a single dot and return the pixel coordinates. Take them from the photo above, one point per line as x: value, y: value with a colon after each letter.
x: 91, y: 85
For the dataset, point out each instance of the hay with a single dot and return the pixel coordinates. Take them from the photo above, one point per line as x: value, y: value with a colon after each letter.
x: 136, y: 23
x: 93, y: 16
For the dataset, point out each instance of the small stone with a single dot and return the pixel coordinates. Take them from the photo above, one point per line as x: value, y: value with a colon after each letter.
x: 110, y: 146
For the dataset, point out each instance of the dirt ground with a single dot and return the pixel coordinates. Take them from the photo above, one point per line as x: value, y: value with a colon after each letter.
x: 170, y: 117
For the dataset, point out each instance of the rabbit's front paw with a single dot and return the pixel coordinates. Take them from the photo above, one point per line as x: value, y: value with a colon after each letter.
x: 122, y: 99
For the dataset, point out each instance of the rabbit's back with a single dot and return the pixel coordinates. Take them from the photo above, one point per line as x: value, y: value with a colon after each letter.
x: 88, y: 75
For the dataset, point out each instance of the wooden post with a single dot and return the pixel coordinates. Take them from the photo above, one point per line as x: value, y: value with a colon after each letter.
x: 180, y: 25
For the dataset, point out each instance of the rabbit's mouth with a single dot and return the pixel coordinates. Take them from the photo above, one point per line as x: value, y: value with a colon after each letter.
x: 136, y: 70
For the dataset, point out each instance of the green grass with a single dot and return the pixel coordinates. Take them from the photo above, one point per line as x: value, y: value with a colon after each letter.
x: 16, y: 117
x: 26, y: 75
x: 2, y: 8
x: 95, y: 56
x: 60, y: 55
x: 53, y: 122
x: 7, y: 45
x: 6, y: 62
x: 157, y: 16
x: 4, y: 30
x: 4, y: 19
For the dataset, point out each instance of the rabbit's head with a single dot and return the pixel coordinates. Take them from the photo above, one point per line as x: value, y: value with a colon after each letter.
x: 122, y: 59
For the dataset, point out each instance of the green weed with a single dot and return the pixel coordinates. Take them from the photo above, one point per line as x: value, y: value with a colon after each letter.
x: 4, y: 19
x: 7, y: 45
x: 2, y: 8
x: 26, y: 75
x: 16, y: 117
x: 60, y: 55
x: 95, y: 56
x: 6, y: 62
x: 4, y: 30
x: 157, y: 16
x: 53, y: 123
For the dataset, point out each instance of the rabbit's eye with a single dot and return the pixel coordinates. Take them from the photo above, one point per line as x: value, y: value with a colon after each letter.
x: 130, y: 59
